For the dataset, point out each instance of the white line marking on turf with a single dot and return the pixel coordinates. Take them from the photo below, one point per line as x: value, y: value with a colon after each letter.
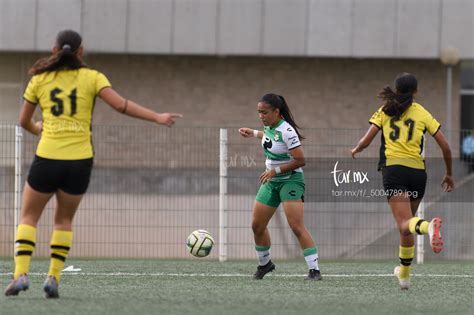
x: 226, y: 275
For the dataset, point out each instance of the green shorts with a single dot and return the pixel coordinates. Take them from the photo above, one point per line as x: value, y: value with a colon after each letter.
x: 274, y: 192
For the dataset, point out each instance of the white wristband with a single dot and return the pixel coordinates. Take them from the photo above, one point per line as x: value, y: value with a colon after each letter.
x: 255, y: 133
x: 278, y: 170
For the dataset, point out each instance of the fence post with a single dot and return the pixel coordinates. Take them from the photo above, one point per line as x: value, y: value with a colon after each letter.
x: 223, y: 195
x: 18, y: 175
x: 420, y: 240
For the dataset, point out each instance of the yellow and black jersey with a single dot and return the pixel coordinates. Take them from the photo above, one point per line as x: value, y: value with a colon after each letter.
x: 402, y: 138
x: 66, y: 98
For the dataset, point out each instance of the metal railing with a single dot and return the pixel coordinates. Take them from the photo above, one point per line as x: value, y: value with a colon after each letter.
x: 153, y: 186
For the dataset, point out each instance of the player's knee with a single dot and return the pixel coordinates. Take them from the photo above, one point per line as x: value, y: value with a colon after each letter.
x: 297, y: 229
x: 258, y: 228
x: 404, y: 230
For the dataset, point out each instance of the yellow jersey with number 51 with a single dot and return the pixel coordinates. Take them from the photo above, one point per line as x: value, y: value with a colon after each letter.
x: 67, y: 99
x: 402, y: 139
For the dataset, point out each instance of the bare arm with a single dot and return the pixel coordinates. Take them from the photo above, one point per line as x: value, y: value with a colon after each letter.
x: 247, y: 133
x: 448, y: 181
x: 26, y: 120
x: 130, y: 108
x: 297, y: 162
x: 366, y: 140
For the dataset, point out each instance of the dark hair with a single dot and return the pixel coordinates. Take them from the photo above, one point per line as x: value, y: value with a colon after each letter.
x: 396, y: 103
x: 68, y: 42
x: 278, y: 101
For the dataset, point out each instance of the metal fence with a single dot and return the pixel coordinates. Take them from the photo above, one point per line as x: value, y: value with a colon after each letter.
x: 153, y: 186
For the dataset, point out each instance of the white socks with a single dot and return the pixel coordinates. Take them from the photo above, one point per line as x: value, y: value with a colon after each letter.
x: 263, y: 253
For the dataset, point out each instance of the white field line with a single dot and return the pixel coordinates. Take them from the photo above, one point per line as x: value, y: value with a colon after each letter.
x: 229, y: 275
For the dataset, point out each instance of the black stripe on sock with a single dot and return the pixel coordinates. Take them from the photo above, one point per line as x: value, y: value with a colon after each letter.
x: 60, y: 247
x: 406, y: 261
x: 59, y: 257
x: 417, y: 226
x: 25, y: 242
x: 24, y: 253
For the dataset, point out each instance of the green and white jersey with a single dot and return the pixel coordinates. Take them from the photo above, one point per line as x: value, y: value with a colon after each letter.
x: 277, y: 143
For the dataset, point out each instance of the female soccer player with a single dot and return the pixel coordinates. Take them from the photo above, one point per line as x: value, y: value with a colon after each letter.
x: 403, y: 123
x: 282, y: 182
x: 65, y: 89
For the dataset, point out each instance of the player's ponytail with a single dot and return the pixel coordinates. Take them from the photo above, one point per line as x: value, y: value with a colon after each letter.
x: 68, y: 43
x: 278, y: 101
x: 396, y: 103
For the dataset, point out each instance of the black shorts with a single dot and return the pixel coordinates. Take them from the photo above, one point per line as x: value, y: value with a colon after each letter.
x: 72, y: 177
x: 399, y: 179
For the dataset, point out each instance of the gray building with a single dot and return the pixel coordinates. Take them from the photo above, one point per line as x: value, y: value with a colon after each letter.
x: 213, y: 59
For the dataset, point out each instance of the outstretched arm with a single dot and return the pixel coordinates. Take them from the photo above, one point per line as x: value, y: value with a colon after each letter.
x: 366, y: 140
x: 247, y: 133
x: 26, y: 120
x: 130, y: 108
x: 448, y: 181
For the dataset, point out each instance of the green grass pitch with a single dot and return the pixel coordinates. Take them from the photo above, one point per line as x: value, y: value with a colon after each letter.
x: 209, y: 287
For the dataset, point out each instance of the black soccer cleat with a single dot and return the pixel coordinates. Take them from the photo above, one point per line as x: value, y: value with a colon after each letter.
x: 17, y: 285
x: 314, y: 275
x: 50, y: 288
x: 263, y: 270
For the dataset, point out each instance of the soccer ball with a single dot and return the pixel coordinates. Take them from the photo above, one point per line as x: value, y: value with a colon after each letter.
x: 200, y: 243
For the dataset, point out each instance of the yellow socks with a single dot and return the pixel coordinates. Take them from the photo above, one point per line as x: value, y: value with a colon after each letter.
x: 24, y: 246
x: 406, y: 256
x: 60, y: 244
x: 418, y: 226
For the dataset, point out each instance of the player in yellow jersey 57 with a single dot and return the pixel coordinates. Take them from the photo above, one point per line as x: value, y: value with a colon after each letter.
x: 65, y: 90
x: 403, y: 123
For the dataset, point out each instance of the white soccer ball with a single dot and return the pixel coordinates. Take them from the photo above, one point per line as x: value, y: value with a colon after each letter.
x: 200, y: 243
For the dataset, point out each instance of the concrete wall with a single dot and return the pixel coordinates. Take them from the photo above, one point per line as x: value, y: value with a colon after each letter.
x: 348, y: 28
x: 154, y: 226
x: 213, y: 91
